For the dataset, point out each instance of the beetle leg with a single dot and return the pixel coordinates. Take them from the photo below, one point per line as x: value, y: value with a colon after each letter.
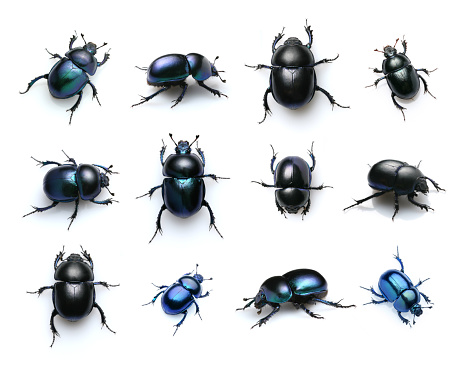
x: 213, y: 176
x: 330, y: 97
x: 59, y: 257
x: 151, y: 191
x: 325, y: 60
x: 426, y: 90
x: 54, y: 55
x: 77, y: 103
x: 279, y: 207
x: 358, y: 202
x: 33, y: 81
x: 264, y: 184
x: 320, y: 187
x: 105, y: 202
x: 278, y: 38
x: 397, y: 257
x: 371, y: 289
x: 398, y: 105
x: 103, y: 317
x: 248, y: 304
x: 435, y: 184
x: 185, y: 313
x: 206, y: 294
x: 267, y: 110
x: 146, y: 99
x: 156, y: 296
x: 159, y: 228
x: 306, y: 208
x: 47, y: 162
x: 105, y: 284
x: 420, y: 282
x: 376, y: 302
x: 312, y: 314
x: 310, y: 34
x: 406, y: 321
x: 72, y: 40
x: 197, y: 309
x: 41, y: 290
x: 105, y: 58
x: 404, y: 44
x: 212, y: 217
x: 376, y: 70
x: 54, y: 331
x: 422, y: 206
x: 42, y: 209
x: 184, y: 86
x: 95, y: 92
x: 266, y: 318
x: 376, y: 82
x: 213, y: 91
x: 310, y: 153
x: 162, y: 153
x: 334, y: 304
x: 74, y: 215
x: 273, y: 159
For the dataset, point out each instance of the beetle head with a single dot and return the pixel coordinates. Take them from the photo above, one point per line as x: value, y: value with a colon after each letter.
x: 90, y: 46
x: 292, y: 41
x: 389, y: 51
x: 74, y: 258
x: 421, y: 185
x: 260, y: 300
x: 416, y: 310
x: 183, y: 147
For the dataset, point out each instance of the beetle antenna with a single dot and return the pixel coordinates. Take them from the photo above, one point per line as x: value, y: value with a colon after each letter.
x: 104, y: 44
x: 376, y: 50
x: 419, y: 164
x: 171, y: 136
x: 396, y: 42
x: 248, y: 298
x: 111, y: 193
x: 197, y: 136
x: 83, y: 37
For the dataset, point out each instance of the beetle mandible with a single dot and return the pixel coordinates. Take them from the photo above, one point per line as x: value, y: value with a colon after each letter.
x: 396, y: 287
x: 398, y: 177
x: 70, y: 182
x: 183, y: 190
x: 402, y: 77
x: 172, y: 70
x: 69, y: 76
x: 73, y: 296
x: 177, y: 298
x: 292, y: 176
x: 300, y: 286
x: 293, y: 81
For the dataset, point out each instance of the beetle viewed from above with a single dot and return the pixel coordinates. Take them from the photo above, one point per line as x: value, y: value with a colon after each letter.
x: 177, y: 298
x: 300, y: 286
x: 401, y: 179
x: 71, y: 73
x: 396, y: 287
x: 293, y: 81
x: 183, y: 190
x: 70, y: 182
x: 292, y: 176
x: 73, y: 296
x: 401, y: 76
x: 172, y: 70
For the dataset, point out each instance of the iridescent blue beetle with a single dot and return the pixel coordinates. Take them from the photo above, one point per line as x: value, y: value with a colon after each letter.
x: 69, y: 76
x: 70, y: 182
x: 300, y: 286
x: 171, y: 70
x: 184, y: 190
x: 396, y: 287
x: 292, y: 176
x: 177, y: 298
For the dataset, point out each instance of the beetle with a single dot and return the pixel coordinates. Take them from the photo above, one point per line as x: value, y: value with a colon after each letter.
x: 398, y: 177
x: 173, y: 69
x: 396, y: 287
x: 178, y: 297
x: 292, y: 176
x: 293, y: 81
x: 70, y: 182
x: 183, y: 190
x: 300, y: 286
x: 71, y: 73
x: 401, y: 76
x: 73, y: 296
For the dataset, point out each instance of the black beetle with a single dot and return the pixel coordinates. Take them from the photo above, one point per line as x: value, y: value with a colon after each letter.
x: 300, y: 286
x: 184, y: 190
x: 70, y: 182
x: 177, y: 298
x: 402, y: 77
x: 73, y: 295
x: 171, y: 70
x: 69, y: 76
x: 399, y: 177
x: 292, y: 176
x: 293, y: 81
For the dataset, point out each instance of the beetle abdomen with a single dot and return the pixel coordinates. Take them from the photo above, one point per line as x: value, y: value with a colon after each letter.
x: 404, y: 82
x: 306, y: 282
x: 74, y: 301
x: 293, y: 87
x: 292, y: 171
x: 292, y: 198
x: 176, y: 299
x: 60, y: 184
x: 183, y: 197
x: 392, y: 283
x: 66, y: 79
x: 168, y: 68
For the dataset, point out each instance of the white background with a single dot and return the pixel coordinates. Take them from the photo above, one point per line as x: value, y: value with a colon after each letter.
x: 349, y: 248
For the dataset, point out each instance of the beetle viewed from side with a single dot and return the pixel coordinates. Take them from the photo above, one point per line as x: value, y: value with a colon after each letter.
x: 293, y: 81
x: 70, y: 182
x: 71, y: 73
x: 292, y: 177
x: 401, y: 179
x: 396, y: 287
x: 183, y: 190
x: 300, y: 286
x: 73, y: 296
x: 172, y: 70
x: 177, y: 298
x: 401, y: 76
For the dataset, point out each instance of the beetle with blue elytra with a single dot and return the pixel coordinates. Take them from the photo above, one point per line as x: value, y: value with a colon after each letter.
x: 183, y: 190
x: 401, y: 179
x: 300, y: 286
x: 70, y: 182
x: 396, y: 287
x: 177, y: 298
x: 292, y: 176
x: 70, y: 75
x: 402, y: 77
x: 172, y: 70
x: 73, y: 295
x: 293, y: 81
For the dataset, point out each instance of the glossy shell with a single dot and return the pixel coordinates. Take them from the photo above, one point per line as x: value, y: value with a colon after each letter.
x: 276, y: 289
x: 89, y: 181
x: 172, y: 68
x: 306, y: 282
x: 404, y: 82
x: 191, y: 284
x: 66, y: 79
x: 73, y: 271
x: 183, y: 197
x: 176, y: 299
x: 183, y: 166
x: 398, y: 289
x: 73, y: 301
x: 83, y: 59
x: 60, y: 184
x: 200, y: 66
